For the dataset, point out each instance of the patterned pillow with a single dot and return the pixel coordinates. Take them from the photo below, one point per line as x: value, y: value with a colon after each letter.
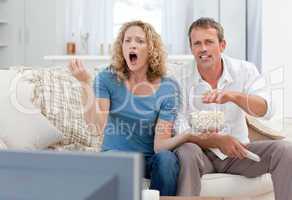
x: 58, y: 95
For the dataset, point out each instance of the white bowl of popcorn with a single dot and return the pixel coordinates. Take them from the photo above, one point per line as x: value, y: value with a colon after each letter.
x: 207, y: 120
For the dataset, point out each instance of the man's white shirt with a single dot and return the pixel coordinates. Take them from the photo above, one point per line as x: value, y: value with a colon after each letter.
x: 238, y: 75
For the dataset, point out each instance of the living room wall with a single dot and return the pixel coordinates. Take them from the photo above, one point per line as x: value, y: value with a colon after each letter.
x: 276, y: 49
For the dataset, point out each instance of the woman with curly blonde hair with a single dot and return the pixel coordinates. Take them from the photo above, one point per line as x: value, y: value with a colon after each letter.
x: 156, y: 53
x: 136, y: 105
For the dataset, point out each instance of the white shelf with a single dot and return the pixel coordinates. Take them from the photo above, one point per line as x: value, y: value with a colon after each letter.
x: 80, y: 57
x: 107, y: 58
x: 98, y: 61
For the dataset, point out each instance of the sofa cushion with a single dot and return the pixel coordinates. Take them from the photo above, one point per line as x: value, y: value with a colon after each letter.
x: 22, y: 125
x: 263, y: 128
x: 228, y: 185
x: 58, y: 95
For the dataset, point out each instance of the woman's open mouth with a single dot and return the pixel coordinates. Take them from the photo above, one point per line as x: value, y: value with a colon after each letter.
x: 133, y: 58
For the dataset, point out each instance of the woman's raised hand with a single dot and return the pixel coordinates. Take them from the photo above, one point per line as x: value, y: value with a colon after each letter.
x: 78, y: 70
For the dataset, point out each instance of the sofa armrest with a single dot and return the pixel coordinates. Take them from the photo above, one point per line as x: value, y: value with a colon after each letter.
x: 259, y: 131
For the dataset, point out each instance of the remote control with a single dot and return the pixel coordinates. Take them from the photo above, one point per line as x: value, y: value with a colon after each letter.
x: 249, y: 155
x: 252, y: 156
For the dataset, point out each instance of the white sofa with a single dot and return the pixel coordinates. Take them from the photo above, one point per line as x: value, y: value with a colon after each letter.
x: 226, y: 185
x: 235, y: 187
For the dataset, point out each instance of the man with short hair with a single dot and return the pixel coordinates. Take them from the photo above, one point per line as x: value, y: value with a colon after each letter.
x: 221, y: 81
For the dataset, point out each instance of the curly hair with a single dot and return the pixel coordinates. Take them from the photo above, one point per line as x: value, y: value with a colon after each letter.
x: 156, y: 53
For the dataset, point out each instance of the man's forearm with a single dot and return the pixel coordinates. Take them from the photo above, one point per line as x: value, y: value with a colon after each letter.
x: 251, y: 104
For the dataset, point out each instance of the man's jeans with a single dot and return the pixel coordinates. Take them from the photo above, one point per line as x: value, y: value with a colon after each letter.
x: 163, y: 169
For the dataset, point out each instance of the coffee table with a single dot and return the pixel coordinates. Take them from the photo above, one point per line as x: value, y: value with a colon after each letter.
x: 190, y: 198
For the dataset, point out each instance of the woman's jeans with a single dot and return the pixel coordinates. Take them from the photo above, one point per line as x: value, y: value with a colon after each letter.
x: 163, y: 169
